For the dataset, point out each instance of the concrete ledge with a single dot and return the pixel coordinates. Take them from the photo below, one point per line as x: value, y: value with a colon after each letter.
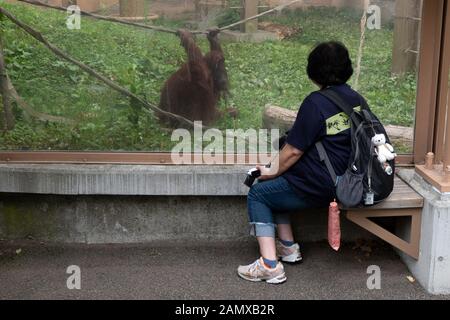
x: 135, y: 203
x: 64, y: 179
x: 432, y: 269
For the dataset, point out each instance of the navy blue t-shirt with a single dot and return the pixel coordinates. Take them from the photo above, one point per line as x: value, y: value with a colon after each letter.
x: 320, y: 119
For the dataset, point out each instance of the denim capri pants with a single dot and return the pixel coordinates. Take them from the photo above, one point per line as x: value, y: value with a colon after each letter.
x: 270, y: 203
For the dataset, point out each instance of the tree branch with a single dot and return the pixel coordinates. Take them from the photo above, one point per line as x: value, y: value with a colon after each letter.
x: 38, y: 36
x: 8, y: 116
x: 30, y: 111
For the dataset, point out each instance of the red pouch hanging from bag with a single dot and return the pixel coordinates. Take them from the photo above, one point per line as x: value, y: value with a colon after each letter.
x: 334, y: 226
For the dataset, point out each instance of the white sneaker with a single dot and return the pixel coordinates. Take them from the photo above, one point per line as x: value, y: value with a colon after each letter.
x: 290, y: 254
x: 257, y: 271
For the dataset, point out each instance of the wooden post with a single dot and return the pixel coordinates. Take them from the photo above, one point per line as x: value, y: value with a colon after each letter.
x: 250, y: 8
x: 88, y: 5
x: 68, y: 3
x: 406, y: 36
x: 132, y: 8
x: 62, y: 3
x: 198, y: 12
x: 446, y: 164
x: 448, y: 120
x: 429, y: 161
x: 8, y: 116
x: 340, y: 3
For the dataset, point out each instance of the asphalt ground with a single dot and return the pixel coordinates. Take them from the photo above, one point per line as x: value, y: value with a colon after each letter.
x: 207, y: 270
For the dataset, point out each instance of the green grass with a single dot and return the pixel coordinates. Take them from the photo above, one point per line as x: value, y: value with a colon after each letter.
x: 140, y: 60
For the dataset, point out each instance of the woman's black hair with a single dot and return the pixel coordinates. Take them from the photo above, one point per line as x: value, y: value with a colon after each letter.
x: 329, y: 64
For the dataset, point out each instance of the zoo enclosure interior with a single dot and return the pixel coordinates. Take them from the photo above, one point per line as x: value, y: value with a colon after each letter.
x: 73, y: 112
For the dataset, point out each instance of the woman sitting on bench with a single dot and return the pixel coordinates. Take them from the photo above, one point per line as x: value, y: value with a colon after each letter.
x: 297, y: 179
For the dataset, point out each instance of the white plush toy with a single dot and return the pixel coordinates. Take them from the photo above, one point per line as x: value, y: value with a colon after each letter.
x: 384, y: 151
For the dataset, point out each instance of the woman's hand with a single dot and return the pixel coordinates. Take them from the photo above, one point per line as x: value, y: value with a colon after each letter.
x: 266, y: 173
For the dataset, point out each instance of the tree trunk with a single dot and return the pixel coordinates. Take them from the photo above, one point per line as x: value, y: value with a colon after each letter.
x: 250, y: 9
x: 198, y: 10
x: 8, y: 116
x: 88, y: 5
x: 280, y: 118
x: 406, y: 36
x: 132, y: 8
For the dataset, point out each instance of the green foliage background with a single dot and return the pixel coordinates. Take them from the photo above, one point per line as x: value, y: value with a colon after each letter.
x: 140, y: 60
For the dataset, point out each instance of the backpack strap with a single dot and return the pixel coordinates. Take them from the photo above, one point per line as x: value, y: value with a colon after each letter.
x: 337, y: 100
x: 364, y: 104
x: 324, y: 157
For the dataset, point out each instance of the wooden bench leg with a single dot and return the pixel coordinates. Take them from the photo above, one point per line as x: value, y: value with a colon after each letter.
x: 361, y: 218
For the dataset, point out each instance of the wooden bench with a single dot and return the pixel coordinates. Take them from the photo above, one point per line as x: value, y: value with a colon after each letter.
x: 403, y: 202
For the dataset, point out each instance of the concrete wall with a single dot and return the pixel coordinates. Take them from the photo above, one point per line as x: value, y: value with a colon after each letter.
x: 387, y: 6
x: 432, y: 269
x: 85, y: 5
x: 128, y: 219
x: 126, y: 203
x: 174, y: 9
x: 319, y: 3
